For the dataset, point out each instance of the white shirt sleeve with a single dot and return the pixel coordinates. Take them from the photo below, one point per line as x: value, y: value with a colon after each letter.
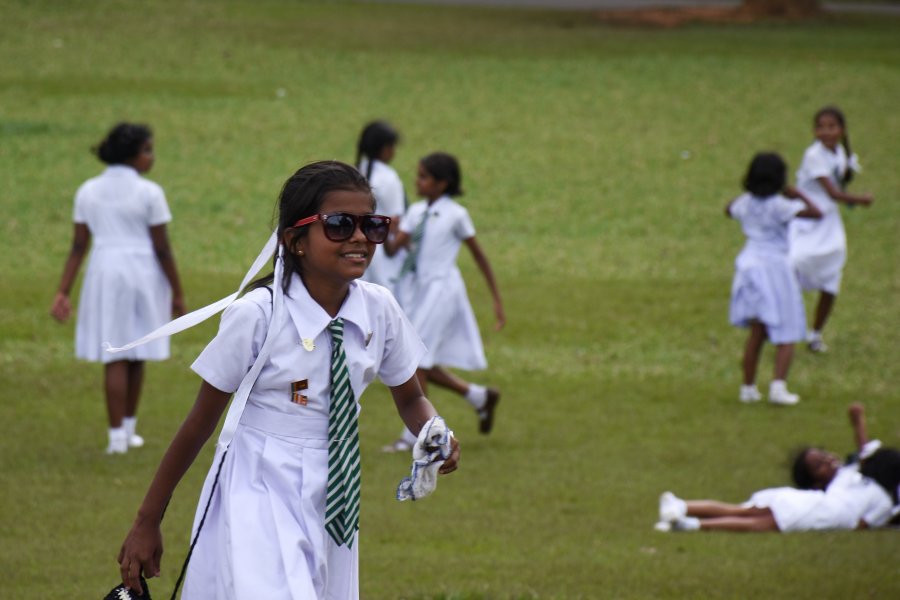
x: 157, y: 207
x: 403, y: 350
x: 464, y: 227
x: 79, y: 213
x: 391, y: 198
x: 229, y: 356
x: 816, y: 164
x: 786, y: 209
x: 738, y: 207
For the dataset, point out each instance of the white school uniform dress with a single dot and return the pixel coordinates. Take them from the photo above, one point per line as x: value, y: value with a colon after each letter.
x: 125, y: 293
x: 264, y: 535
x: 765, y: 287
x: 818, y: 247
x: 434, y: 296
x: 849, y: 499
x: 390, y: 200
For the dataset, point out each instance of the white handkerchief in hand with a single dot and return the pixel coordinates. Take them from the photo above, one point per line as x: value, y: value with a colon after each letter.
x: 430, y: 451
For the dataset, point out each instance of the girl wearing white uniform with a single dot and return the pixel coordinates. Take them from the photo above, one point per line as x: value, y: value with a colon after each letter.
x: 270, y: 526
x: 375, y: 150
x: 431, y: 290
x: 818, y: 249
x: 765, y: 295
x: 132, y: 285
x: 831, y: 495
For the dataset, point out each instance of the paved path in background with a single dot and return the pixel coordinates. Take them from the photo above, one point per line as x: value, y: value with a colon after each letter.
x: 886, y: 9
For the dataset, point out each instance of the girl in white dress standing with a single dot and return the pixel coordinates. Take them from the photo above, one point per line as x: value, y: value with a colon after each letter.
x: 818, y: 249
x: 765, y: 295
x: 374, y: 152
x: 281, y: 499
x: 132, y: 285
x: 431, y: 290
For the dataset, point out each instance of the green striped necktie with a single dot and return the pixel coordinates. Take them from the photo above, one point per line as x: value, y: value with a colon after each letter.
x: 409, y: 263
x: 342, y: 499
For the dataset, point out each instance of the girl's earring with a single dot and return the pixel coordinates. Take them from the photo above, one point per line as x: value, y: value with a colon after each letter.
x: 299, y: 252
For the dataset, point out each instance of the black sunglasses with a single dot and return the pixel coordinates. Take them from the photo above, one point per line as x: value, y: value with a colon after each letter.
x: 340, y: 226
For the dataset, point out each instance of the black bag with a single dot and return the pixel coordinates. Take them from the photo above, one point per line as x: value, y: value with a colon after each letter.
x: 120, y: 592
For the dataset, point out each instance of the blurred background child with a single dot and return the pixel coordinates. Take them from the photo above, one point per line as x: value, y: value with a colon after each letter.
x: 818, y: 248
x: 765, y: 295
x: 374, y: 153
x: 131, y: 286
x: 431, y: 290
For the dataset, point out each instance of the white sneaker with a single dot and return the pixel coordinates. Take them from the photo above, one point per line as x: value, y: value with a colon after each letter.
x: 749, y: 393
x: 817, y: 345
x: 135, y: 441
x: 671, y: 507
x: 397, y: 446
x: 663, y: 526
x: 118, y: 443
x: 779, y: 394
x: 686, y: 524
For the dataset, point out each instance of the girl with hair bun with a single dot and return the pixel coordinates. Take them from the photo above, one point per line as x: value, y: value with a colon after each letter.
x: 131, y: 286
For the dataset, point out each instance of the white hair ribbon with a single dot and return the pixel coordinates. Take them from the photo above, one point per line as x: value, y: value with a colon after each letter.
x: 201, y: 314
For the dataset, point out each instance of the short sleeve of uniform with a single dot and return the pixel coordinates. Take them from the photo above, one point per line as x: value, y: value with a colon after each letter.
x: 878, y: 510
x: 157, y: 207
x: 411, y: 218
x: 79, y: 214
x: 738, y: 208
x: 786, y: 209
x: 815, y: 164
x: 464, y: 228
x: 391, y: 199
x: 403, y: 350
x: 229, y: 356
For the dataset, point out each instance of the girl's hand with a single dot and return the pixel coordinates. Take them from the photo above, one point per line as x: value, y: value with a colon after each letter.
x: 62, y: 307
x: 452, y: 461
x: 501, y: 316
x: 864, y: 199
x: 178, y: 306
x: 141, y: 553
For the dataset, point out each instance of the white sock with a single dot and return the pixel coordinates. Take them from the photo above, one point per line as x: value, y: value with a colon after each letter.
x: 748, y: 388
x: 687, y: 524
x: 408, y: 437
x: 814, y: 336
x: 130, y: 425
x: 778, y: 385
x: 117, y: 434
x: 477, y: 396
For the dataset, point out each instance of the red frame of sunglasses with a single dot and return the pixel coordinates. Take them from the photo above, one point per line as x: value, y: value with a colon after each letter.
x: 357, y: 223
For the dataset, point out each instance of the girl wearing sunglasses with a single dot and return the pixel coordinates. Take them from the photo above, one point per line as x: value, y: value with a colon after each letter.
x: 431, y: 290
x: 279, y: 513
x: 374, y: 153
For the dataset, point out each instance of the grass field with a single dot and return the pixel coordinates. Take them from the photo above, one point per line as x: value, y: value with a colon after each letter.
x: 597, y: 161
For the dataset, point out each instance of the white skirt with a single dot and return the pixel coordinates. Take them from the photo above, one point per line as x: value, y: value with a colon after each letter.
x: 801, y: 510
x: 441, y: 314
x: 264, y: 534
x: 818, y: 252
x: 766, y: 289
x: 125, y: 295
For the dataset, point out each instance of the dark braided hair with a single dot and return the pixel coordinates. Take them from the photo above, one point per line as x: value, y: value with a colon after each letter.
x: 838, y: 115
x: 375, y: 137
x: 800, y: 472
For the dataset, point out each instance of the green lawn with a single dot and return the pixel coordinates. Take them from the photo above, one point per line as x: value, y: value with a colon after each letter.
x: 596, y: 160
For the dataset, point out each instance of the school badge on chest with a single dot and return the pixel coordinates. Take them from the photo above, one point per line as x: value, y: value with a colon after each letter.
x: 296, y: 388
x: 308, y: 344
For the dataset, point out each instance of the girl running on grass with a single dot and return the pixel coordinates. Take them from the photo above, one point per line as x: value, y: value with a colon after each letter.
x: 279, y: 513
x: 131, y: 286
x: 374, y: 153
x: 431, y: 290
x: 818, y: 249
x: 765, y: 295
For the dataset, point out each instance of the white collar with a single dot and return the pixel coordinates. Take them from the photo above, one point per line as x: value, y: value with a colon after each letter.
x: 310, y: 318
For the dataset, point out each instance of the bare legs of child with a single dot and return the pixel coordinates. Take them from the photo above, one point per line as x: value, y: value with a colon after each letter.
x: 123, y: 380
x: 676, y: 514
x: 784, y: 354
x: 823, y: 311
x: 483, y: 399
